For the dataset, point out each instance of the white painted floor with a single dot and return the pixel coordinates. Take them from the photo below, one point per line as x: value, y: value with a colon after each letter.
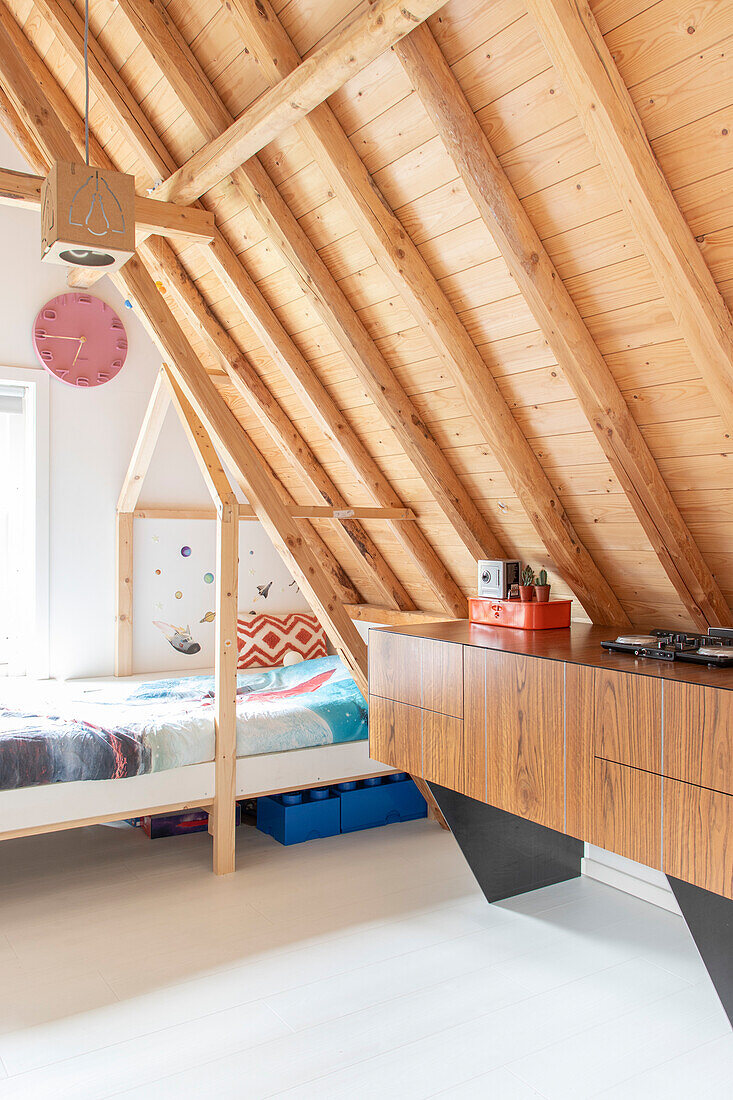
x: 366, y: 966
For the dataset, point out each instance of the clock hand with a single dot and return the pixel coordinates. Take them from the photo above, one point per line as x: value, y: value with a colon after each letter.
x: 52, y: 336
x: 82, y: 341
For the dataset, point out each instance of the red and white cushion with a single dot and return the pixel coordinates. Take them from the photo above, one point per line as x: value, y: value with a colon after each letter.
x: 264, y: 640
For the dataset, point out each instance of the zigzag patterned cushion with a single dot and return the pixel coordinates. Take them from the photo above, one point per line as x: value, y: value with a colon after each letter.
x: 263, y: 640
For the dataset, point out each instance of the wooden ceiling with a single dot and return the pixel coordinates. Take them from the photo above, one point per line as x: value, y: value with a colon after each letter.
x: 512, y: 344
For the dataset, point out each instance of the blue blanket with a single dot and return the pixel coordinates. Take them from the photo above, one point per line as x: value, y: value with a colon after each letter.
x: 119, y: 730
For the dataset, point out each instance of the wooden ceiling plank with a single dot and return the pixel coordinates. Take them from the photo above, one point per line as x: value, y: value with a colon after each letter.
x: 38, y: 137
x: 250, y: 386
x: 357, y: 44
x: 607, y: 113
x: 176, y: 61
x: 65, y: 23
x: 317, y: 400
x: 576, y: 352
x: 411, y: 277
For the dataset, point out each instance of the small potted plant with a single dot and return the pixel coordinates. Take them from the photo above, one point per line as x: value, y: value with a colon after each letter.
x: 541, y: 587
x: 526, y: 584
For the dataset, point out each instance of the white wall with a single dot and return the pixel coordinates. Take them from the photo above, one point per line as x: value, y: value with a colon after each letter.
x: 92, y: 435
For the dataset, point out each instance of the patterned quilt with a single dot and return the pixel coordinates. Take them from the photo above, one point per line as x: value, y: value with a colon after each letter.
x: 120, y: 730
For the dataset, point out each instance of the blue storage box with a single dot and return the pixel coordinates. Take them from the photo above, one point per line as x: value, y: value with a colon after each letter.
x: 382, y: 800
x: 301, y: 815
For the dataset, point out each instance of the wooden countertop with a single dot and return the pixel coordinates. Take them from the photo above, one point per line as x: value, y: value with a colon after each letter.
x: 578, y: 644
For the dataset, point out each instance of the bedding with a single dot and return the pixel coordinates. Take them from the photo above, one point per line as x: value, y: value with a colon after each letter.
x: 121, y: 730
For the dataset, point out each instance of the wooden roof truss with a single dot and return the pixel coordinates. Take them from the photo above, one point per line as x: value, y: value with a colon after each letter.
x: 225, y: 172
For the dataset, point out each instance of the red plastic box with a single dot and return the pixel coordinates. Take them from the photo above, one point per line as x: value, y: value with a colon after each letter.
x: 522, y: 616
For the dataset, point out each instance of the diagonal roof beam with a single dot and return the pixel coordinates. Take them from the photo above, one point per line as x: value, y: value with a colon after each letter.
x: 176, y: 62
x: 271, y: 415
x: 357, y: 44
x: 35, y: 142
x: 400, y: 259
x: 173, y: 56
x: 580, y: 360
x: 607, y: 113
x: 225, y: 429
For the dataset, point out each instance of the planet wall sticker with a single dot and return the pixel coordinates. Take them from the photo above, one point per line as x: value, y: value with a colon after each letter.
x: 208, y: 617
x: 179, y: 637
x: 208, y: 578
x: 185, y: 551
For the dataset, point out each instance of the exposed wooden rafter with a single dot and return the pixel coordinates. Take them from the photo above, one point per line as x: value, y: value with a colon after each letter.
x: 169, y: 49
x: 556, y: 314
x: 250, y: 386
x: 46, y: 131
x: 262, y: 492
x: 176, y: 62
x: 607, y: 113
x: 343, y: 56
x: 404, y: 266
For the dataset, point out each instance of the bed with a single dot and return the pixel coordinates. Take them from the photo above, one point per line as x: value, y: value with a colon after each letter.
x: 101, y: 749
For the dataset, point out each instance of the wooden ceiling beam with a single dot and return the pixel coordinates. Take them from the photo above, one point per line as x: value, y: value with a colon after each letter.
x: 271, y: 415
x: 557, y: 316
x: 607, y: 113
x: 35, y: 141
x: 317, y: 400
x: 262, y: 492
x: 186, y: 223
x: 411, y: 277
x: 363, y: 39
x: 177, y: 63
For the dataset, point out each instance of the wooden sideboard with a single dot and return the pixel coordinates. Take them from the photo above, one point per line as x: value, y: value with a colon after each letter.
x: 635, y: 756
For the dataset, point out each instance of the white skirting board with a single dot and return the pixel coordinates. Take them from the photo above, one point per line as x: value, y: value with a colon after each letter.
x: 633, y: 878
x: 56, y: 803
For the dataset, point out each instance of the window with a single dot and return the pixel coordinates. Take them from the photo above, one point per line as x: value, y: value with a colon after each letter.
x: 23, y: 522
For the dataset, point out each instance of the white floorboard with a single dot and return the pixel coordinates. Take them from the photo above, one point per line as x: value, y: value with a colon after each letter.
x: 362, y: 966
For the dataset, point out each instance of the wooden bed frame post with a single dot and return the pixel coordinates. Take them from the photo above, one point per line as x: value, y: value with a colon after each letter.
x: 129, y: 496
x: 227, y: 568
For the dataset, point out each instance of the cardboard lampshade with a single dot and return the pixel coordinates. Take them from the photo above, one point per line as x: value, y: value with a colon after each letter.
x: 87, y: 217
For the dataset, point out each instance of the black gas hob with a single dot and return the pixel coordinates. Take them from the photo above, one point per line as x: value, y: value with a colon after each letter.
x: 714, y: 649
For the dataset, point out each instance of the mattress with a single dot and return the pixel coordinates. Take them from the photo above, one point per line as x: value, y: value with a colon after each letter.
x: 120, y: 730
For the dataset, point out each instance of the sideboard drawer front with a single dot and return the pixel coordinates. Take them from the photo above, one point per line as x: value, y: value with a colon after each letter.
x: 698, y: 736
x: 452, y: 756
x: 698, y: 836
x: 442, y: 677
x: 395, y: 667
x: 395, y: 734
x: 627, y: 812
x: 628, y: 719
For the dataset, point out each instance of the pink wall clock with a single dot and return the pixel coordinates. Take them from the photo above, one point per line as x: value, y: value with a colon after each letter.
x: 80, y: 339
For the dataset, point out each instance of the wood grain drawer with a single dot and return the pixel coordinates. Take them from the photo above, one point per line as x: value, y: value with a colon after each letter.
x: 524, y: 708
x: 698, y: 836
x: 628, y: 719
x: 395, y: 734
x: 452, y: 756
x: 442, y: 677
x: 698, y: 736
x: 395, y: 663
x: 627, y: 812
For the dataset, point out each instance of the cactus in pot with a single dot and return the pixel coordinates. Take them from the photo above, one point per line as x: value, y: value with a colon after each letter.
x: 541, y: 587
x: 526, y: 584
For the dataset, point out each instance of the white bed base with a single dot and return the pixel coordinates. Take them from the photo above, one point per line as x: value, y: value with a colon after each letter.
x: 70, y: 805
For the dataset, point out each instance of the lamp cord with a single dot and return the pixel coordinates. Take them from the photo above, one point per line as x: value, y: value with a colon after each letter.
x: 86, y: 80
